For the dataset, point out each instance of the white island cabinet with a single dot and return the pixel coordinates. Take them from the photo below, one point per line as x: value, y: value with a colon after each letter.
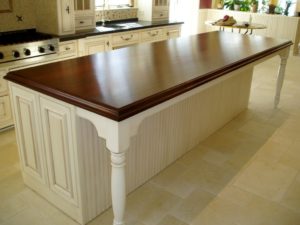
x: 92, y: 129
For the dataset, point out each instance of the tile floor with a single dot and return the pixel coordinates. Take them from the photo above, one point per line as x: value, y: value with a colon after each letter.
x: 247, y: 173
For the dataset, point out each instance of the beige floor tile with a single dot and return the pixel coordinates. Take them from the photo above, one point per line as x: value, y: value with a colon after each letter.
x: 170, y: 220
x: 258, y: 129
x: 209, y: 177
x: 269, y: 180
x: 171, y: 180
x: 150, y: 204
x: 191, y: 206
x: 29, y: 216
x: 272, y: 151
x: 291, y: 199
x: 11, y: 207
x: 7, y: 137
x: 292, y: 156
x: 219, y: 212
x: 10, y: 186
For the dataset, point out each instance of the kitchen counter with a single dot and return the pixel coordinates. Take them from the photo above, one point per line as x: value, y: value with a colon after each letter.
x: 120, y: 26
x: 122, y: 83
x: 147, y: 104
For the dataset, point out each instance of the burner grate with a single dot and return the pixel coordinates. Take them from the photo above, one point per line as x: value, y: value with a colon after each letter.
x: 24, y: 36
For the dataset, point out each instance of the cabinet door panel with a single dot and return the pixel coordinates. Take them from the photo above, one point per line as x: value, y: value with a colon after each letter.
x: 29, y: 133
x: 5, y: 112
x: 58, y: 136
x: 3, y: 83
x: 95, y: 45
x: 67, y: 16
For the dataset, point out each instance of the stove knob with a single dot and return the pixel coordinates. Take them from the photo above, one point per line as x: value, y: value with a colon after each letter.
x: 51, y: 48
x: 41, y: 49
x: 27, y: 52
x: 16, y: 54
x: 1, y: 55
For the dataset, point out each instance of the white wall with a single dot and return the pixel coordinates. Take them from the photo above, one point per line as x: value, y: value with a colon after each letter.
x: 186, y: 11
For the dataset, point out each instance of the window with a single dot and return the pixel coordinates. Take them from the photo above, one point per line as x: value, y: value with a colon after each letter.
x: 113, y: 3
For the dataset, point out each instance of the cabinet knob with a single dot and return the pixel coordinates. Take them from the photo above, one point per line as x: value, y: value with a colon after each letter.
x: 107, y: 43
x: 68, y: 9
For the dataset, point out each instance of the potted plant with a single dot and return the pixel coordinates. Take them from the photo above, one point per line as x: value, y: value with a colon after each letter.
x: 254, y: 5
x: 245, y: 6
x: 228, y: 4
x: 237, y: 5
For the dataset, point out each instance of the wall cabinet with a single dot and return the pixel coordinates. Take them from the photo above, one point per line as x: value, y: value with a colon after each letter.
x: 84, y: 14
x: 55, y: 17
x: 153, y: 10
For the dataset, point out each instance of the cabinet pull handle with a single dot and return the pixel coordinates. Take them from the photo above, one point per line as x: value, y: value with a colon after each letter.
x: 153, y: 34
x: 107, y: 43
x: 128, y: 38
x: 67, y: 48
x: 81, y: 22
x: 68, y: 9
x: 168, y: 33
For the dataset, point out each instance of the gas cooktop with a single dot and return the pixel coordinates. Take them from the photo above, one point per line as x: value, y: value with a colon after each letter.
x: 23, y: 44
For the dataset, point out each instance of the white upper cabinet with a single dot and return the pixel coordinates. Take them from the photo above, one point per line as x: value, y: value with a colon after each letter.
x: 153, y: 10
x: 55, y: 17
x: 84, y: 14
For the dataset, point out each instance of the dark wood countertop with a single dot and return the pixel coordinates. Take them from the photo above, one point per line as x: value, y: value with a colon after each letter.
x: 121, y: 83
x: 137, y: 25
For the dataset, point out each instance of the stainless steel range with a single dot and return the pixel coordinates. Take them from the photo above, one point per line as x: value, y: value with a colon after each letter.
x: 22, y: 49
x: 18, y: 45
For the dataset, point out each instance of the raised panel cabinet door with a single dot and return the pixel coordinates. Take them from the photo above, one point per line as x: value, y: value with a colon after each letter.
x: 58, y: 130
x: 93, y: 46
x: 28, y: 129
x: 66, y: 16
x: 3, y: 83
x: 5, y: 112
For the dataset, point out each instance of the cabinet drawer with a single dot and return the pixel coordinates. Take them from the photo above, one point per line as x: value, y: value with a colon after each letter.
x: 3, y: 84
x: 160, y: 14
x: 125, y: 39
x: 84, y: 22
x: 154, y: 34
x: 173, y: 33
x: 95, y: 45
x: 68, y: 48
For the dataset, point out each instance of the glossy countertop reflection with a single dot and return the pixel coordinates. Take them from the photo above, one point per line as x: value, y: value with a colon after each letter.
x: 121, y: 83
x: 117, y: 27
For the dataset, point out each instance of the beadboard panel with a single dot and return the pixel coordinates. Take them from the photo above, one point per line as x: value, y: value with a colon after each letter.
x: 162, y: 138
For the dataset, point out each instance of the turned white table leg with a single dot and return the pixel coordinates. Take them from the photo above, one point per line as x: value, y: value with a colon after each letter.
x: 118, y: 187
x: 280, y: 77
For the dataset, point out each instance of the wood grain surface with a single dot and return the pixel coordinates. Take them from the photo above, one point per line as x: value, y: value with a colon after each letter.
x: 121, y: 83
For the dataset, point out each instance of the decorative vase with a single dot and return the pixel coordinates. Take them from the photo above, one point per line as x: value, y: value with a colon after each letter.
x: 236, y: 7
x: 254, y: 8
x: 272, y: 9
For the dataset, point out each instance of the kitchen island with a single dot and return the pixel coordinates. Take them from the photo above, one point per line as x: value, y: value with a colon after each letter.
x: 147, y: 105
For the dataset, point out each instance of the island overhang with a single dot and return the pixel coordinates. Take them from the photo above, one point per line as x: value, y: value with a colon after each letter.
x: 121, y: 83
